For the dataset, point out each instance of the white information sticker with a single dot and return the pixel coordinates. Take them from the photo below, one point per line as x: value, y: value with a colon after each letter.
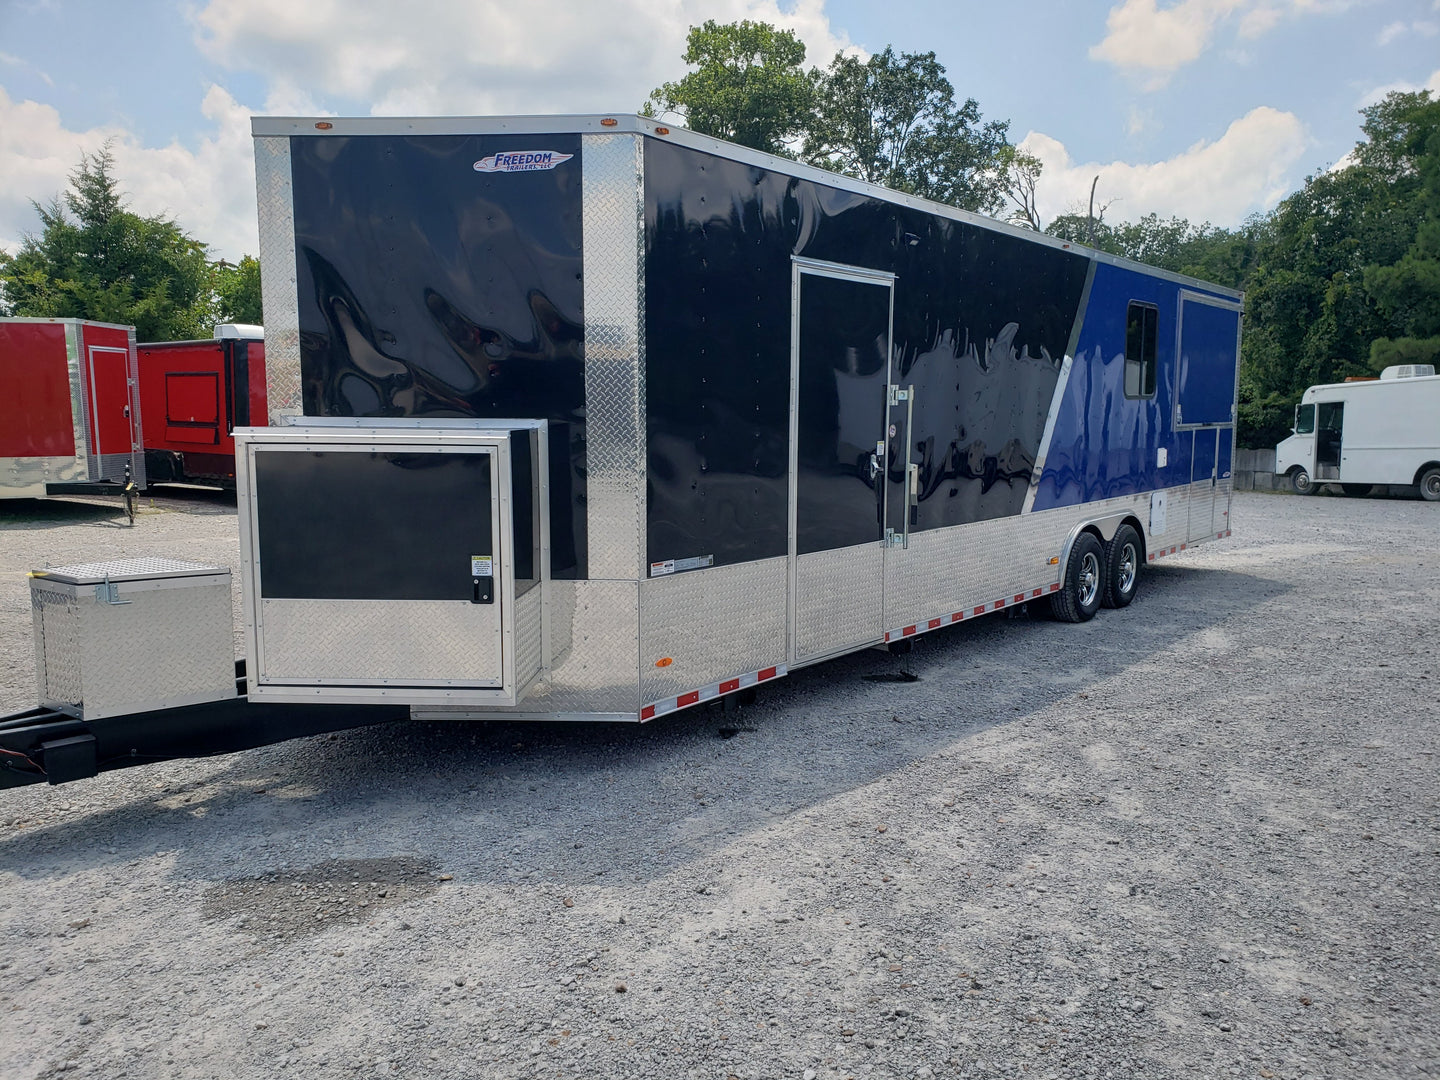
x: 480, y: 566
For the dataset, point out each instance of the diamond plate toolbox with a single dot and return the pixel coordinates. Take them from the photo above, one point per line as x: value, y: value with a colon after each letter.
x: 131, y: 635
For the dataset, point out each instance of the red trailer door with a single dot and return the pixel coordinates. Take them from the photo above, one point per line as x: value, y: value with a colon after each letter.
x: 110, y: 421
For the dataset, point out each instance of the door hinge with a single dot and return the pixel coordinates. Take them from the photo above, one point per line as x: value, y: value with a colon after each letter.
x: 898, y: 394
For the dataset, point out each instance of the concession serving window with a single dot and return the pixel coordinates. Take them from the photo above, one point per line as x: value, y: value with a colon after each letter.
x: 380, y: 560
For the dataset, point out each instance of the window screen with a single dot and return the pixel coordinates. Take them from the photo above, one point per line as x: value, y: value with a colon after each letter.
x: 1141, y: 325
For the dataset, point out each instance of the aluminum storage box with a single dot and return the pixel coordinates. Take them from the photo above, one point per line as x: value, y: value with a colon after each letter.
x: 132, y: 634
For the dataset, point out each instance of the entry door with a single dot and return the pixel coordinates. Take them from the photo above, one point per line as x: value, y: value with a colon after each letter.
x: 1204, y: 473
x: 111, y: 419
x: 1329, y: 439
x: 840, y: 374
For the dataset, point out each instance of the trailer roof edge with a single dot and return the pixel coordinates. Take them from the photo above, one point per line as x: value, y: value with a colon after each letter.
x: 610, y: 123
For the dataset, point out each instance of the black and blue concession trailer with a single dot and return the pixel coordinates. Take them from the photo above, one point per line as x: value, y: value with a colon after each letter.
x: 593, y: 417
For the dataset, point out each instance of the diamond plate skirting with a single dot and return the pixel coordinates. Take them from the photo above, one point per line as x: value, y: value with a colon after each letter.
x: 408, y: 642
x: 838, y: 599
x: 712, y: 625
x: 275, y: 196
x: 956, y: 569
x: 613, y: 208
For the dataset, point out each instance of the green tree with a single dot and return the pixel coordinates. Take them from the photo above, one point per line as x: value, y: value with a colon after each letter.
x: 1407, y: 292
x: 748, y: 86
x: 94, y: 259
x: 1204, y: 251
x: 893, y: 120
x: 237, y: 291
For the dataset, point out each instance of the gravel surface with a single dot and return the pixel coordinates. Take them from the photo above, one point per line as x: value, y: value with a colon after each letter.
x: 1194, y: 838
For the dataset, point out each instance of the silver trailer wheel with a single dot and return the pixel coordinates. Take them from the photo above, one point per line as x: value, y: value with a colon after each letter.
x: 1089, y: 578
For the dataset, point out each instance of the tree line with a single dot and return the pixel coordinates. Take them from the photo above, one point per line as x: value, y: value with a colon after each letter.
x: 96, y: 259
x: 1341, y: 279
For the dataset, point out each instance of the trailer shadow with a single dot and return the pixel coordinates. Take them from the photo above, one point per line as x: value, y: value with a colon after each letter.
x: 31, y: 514
x: 572, y: 804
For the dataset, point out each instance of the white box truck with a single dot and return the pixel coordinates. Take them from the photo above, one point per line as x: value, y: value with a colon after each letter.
x: 1359, y: 434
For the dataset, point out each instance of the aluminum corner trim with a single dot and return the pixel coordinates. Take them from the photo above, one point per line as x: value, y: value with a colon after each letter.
x: 279, y: 287
x: 614, y: 222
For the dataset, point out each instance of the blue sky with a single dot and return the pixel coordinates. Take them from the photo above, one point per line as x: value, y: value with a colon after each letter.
x: 1210, y: 109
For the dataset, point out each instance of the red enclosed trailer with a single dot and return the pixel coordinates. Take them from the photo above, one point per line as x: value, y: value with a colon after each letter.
x: 69, y: 407
x: 195, y: 394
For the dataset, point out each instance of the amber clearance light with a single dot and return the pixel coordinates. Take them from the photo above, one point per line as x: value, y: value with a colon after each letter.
x: 609, y: 121
x: 323, y: 125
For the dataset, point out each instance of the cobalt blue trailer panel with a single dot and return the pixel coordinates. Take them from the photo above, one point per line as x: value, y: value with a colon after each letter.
x: 1209, y: 348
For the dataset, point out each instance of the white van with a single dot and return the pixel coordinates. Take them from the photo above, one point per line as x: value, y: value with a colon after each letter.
x: 1359, y: 434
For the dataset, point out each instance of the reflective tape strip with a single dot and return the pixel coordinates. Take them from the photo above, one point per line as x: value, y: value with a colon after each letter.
x: 708, y: 693
x: 901, y: 632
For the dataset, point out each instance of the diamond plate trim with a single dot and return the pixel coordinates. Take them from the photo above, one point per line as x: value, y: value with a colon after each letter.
x: 838, y: 599
x: 712, y: 625
x: 594, y: 641
x: 79, y: 407
x: 379, y: 642
x: 279, y: 289
x: 528, y: 640
x: 613, y: 206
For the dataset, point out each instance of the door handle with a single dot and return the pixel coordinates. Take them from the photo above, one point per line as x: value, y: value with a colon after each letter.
x: 874, y: 467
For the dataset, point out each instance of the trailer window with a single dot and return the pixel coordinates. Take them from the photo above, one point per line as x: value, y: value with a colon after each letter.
x: 1304, y: 419
x: 1141, y: 323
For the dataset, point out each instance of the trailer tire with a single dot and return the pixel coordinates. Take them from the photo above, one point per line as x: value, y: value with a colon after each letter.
x: 1122, y: 567
x: 1084, y: 585
x: 1302, y: 484
x: 1430, y: 484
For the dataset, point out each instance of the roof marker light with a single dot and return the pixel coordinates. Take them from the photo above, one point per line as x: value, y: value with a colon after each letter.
x: 609, y: 121
x: 323, y: 125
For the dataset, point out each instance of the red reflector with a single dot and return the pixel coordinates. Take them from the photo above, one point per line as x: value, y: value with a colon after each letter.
x: 998, y: 604
x: 907, y: 632
x: 1035, y: 592
x: 729, y: 685
x: 1020, y: 599
x: 767, y: 673
x: 647, y: 713
x: 980, y: 610
x: 1056, y: 587
x: 934, y: 623
x: 688, y: 699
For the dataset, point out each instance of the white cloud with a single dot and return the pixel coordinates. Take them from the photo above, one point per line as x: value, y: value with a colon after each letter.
x: 1390, y: 33
x: 1153, y: 42
x: 1243, y: 171
x: 208, y: 189
x: 1375, y: 94
x: 1397, y: 30
x: 473, y: 57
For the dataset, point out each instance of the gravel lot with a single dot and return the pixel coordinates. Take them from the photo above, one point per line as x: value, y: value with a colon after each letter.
x: 1195, y: 838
